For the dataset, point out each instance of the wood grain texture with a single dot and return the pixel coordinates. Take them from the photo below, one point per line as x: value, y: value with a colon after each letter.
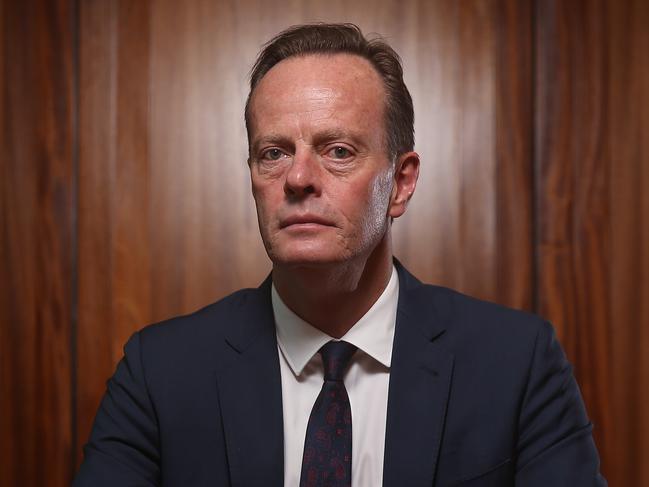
x: 114, y: 243
x: 628, y: 207
x: 204, y: 214
x: 97, y: 143
x: 451, y: 76
x: 465, y: 66
x: 37, y: 188
x: 592, y: 164
x: 514, y: 140
x: 572, y: 195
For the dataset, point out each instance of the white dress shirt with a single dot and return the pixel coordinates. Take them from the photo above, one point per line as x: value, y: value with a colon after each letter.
x: 366, y: 381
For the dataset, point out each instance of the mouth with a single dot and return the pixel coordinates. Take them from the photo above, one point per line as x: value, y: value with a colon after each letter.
x: 304, y: 221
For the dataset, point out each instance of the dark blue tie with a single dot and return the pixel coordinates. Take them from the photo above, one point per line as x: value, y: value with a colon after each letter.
x: 327, y: 459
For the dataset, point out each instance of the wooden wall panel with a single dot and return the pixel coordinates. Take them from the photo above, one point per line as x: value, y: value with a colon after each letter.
x: 37, y: 241
x: 202, y: 210
x: 114, y: 240
x: 592, y: 162
x: 453, y: 92
x: 628, y: 241
x: 469, y: 73
x: 513, y: 228
x: 96, y: 124
x: 572, y: 190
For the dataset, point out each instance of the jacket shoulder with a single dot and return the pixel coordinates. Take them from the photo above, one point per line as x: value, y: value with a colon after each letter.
x: 467, y: 317
x: 201, y: 329
x: 460, y: 316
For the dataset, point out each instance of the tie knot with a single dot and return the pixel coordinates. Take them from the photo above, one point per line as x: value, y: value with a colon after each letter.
x: 335, y: 357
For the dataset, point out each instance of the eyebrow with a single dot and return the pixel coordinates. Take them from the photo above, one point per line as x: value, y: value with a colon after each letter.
x: 319, y: 138
x: 330, y: 135
x: 273, y: 139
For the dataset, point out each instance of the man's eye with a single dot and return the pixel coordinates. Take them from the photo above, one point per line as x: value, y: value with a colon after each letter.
x: 272, y: 154
x: 339, y: 152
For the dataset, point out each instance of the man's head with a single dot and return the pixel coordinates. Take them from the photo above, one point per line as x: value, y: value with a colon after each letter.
x: 327, y: 173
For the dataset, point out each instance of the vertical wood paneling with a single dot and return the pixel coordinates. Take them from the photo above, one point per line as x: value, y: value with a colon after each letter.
x: 114, y: 240
x: 572, y: 195
x: 475, y: 161
x: 96, y: 144
x: 432, y: 72
x: 628, y: 206
x: 514, y: 144
x: 471, y: 87
x: 37, y: 208
x: 592, y: 164
x: 202, y: 210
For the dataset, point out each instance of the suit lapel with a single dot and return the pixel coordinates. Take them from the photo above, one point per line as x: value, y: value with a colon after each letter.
x: 420, y: 379
x: 250, y: 394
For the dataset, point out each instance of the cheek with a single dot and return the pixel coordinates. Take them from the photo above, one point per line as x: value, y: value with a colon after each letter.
x: 262, y: 192
x: 371, y: 213
x: 381, y: 192
x: 264, y: 204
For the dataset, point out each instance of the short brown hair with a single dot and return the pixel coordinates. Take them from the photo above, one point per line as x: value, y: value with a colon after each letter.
x: 321, y: 38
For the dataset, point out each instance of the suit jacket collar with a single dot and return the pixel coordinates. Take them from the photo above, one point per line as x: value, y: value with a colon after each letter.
x: 249, y: 384
x: 250, y: 393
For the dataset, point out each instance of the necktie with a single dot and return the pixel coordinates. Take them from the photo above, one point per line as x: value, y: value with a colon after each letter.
x: 327, y: 459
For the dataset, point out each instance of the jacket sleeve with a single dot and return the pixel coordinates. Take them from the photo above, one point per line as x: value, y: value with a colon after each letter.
x: 555, y: 443
x: 124, y: 445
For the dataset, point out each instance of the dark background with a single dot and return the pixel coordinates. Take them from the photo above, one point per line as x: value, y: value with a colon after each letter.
x: 125, y: 192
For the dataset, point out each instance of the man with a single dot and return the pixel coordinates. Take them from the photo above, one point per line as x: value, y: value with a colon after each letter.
x: 342, y: 368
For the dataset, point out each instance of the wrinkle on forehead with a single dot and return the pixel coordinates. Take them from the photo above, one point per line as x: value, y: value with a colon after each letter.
x: 324, y: 69
x: 312, y: 102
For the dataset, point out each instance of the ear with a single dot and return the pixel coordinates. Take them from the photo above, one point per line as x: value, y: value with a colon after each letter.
x: 406, y: 173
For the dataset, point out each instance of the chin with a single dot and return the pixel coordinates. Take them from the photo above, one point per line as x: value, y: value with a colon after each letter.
x: 304, y: 251
x: 305, y: 260
x: 306, y: 256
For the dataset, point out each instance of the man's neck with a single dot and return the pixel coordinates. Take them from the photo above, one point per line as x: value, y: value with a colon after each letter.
x: 333, y: 298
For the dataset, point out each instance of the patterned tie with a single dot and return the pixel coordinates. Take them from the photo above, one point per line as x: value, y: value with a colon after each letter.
x: 327, y: 460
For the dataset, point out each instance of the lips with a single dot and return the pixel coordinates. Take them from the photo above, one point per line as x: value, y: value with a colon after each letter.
x: 304, y: 220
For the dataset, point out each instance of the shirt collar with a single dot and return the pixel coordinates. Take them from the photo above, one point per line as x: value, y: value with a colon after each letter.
x: 373, y: 333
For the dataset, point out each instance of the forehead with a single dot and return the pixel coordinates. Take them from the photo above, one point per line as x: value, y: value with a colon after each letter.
x: 342, y: 87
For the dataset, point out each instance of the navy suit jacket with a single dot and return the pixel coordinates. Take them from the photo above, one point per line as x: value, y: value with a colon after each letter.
x: 479, y: 395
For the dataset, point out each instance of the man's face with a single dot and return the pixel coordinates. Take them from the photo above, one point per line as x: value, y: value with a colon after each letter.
x: 320, y: 174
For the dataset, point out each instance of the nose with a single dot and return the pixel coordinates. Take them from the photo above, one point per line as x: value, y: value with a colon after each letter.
x: 303, y: 176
